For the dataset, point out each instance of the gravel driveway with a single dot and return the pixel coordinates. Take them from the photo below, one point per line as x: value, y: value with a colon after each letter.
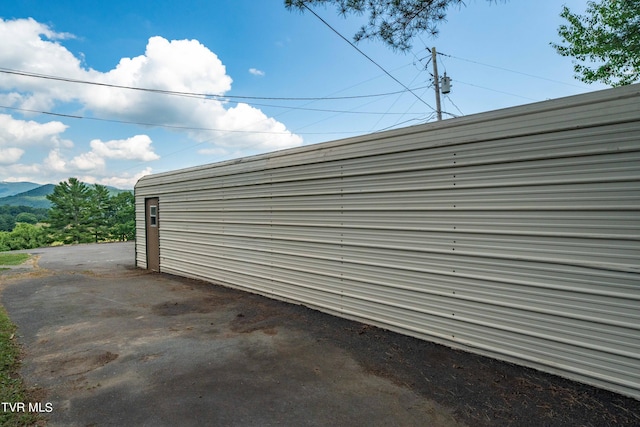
x: 108, y: 344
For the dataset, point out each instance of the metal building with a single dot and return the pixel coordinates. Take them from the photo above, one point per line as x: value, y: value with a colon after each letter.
x: 513, y: 233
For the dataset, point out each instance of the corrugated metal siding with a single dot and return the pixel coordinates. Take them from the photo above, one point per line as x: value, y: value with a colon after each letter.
x: 141, y: 233
x: 514, y: 233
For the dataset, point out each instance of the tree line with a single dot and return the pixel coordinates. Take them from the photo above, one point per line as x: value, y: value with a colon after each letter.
x: 79, y: 213
x: 10, y: 215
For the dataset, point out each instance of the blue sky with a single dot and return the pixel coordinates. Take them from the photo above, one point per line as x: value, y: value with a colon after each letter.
x: 498, y: 56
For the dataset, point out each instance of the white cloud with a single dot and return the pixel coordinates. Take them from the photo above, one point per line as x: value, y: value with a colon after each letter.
x: 90, y: 166
x: 54, y: 162
x: 31, y: 46
x: 137, y: 147
x: 161, y: 67
x: 125, y: 180
x: 28, y: 45
x: 21, y: 172
x: 217, y: 151
x: 10, y: 155
x: 55, y: 168
x: 23, y: 133
x: 256, y: 131
x: 228, y: 128
x: 87, y: 162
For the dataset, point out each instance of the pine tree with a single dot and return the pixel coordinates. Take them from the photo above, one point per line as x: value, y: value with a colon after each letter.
x: 100, y: 212
x: 70, y: 212
x: 124, y: 220
x: 395, y: 22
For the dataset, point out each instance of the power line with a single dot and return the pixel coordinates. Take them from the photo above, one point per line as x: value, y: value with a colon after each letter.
x: 196, y: 94
x: 454, y: 104
x: 199, y: 95
x: 322, y: 110
x: 397, y: 99
x: 332, y: 116
x: 421, y: 120
x: 325, y: 110
x: 498, y: 91
x: 99, y: 119
x: 511, y: 71
x: 365, y: 55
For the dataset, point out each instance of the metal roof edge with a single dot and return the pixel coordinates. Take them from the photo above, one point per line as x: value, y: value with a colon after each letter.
x: 603, y: 95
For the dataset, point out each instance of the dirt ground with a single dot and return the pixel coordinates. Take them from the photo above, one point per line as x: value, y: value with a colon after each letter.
x: 109, y: 344
x: 479, y: 391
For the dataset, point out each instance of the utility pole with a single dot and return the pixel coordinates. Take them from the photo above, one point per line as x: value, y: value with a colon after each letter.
x: 436, y: 80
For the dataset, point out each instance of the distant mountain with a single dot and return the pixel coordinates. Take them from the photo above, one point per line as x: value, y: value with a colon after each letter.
x: 113, y: 191
x: 37, y: 197
x: 12, y: 188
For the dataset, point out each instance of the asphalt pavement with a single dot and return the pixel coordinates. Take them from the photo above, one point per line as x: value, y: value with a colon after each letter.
x: 107, y: 344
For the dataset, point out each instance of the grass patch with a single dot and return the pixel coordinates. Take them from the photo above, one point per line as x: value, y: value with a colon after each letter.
x: 13, y: 259
x: 11, y: 386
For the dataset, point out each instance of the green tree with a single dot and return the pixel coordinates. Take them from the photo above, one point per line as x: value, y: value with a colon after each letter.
x: 7, y: 222
x: 24, y: 236
x: 70, y: 211
x: 27, y: 217
x: 395, y: 22
x: 100, y: 212
x: 83, y: 214
x: 4, y: 237
x: 124, y: 220
x: 608, y: 35
x: 9, y: 215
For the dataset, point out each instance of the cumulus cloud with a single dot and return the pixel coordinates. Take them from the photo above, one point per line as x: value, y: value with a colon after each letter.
x: 15, y: 132
x: 87, y: 162
x: 124, y: 181
x: 135, y: 148
x: 162, y: 67
x: 87, y: 167
x: 55, y: 162
x: 28, y: 45
x: 18, y: 135
x: 93, y: 164
x: 185, y: 66
x: 256, y: 72
x: 10, y: 155
x: 34, y: 47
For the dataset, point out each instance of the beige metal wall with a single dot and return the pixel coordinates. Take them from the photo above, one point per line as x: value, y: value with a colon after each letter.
x: 141, y: 231
x: 514, y: 233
